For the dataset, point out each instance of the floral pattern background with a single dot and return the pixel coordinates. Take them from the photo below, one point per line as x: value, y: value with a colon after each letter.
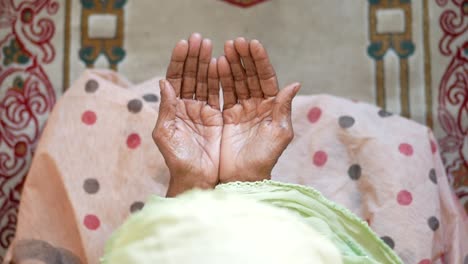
x: 37, y: 55
x: 452, y: 109
x: 26, y: 97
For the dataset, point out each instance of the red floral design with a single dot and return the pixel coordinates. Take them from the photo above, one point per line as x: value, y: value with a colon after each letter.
x: 453, y: 94
x: 28, y: 97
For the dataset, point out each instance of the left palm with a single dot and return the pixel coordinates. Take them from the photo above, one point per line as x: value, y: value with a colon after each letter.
x: 257, y: 118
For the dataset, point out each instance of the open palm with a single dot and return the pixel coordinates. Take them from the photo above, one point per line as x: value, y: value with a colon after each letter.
x: 256, y: 115
x: 189, y: 127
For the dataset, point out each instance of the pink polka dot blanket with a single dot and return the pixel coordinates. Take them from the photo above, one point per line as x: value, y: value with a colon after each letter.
x: 96, y: 164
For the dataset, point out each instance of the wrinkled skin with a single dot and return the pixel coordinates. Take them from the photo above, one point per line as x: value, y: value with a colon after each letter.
x: 189, y: 126
x: 256, y: 115
x: 202, y: 145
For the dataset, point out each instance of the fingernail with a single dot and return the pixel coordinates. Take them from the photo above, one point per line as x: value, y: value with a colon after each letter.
x: 240, y: 39
x: 195, y: 35
x: 296, y: 88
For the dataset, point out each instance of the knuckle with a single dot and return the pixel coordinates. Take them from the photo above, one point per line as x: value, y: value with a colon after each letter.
x: 238, y: 76
x: 190, y: 74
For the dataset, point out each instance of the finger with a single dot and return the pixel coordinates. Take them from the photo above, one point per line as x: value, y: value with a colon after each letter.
x: 242, y: 48
x: 190, y: 66
x: 283, y: 104
x: 240, y: 79
x: 265, y: 71
x: 201, y: 92
x: 175, y: 69
x: 167, y: 107
x: 213, y: 84
x: 227, y: 83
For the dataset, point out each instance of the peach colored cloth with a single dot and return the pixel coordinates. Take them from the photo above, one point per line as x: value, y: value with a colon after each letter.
x: 96, y: 163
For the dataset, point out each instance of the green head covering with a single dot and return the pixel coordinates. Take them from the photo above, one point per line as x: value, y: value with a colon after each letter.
x: 262, y: 222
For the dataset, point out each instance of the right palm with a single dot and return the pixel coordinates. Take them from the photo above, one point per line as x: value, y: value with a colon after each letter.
x: 189, y: 126
x: 190, y: 140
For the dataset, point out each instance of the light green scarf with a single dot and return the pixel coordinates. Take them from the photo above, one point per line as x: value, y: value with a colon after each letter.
x: 241, y: 223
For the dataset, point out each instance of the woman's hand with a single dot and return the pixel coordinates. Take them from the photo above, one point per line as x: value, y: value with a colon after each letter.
x: 257, y: 116
x: 189, y: 127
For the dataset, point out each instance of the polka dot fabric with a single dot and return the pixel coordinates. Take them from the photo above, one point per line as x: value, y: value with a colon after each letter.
x: 97, y: 164
x: 349, y: 149
x: 97, y: 161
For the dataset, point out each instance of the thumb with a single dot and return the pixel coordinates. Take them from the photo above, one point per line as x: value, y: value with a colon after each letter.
x: 167, y: 107
x: 283, y: 103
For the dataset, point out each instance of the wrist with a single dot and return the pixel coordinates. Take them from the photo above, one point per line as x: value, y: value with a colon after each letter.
x: 246, y: 177
x: 180, y: 184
